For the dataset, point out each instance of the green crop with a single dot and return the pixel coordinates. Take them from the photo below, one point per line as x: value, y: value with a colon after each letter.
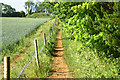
x: 15, y: 28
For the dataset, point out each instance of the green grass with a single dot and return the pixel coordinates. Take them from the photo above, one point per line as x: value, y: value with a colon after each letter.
x: 84, y: 62
x: 44, y: 57
x: 39, y: 15
x: 15, y: 28
x: 17, y: 48
x: 18, y: 31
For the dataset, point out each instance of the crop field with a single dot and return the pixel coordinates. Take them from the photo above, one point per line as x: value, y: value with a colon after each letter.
x: 15, y: 28
x: 20, y: 54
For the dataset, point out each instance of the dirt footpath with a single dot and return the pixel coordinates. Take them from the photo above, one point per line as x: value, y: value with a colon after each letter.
x: 59, y: 68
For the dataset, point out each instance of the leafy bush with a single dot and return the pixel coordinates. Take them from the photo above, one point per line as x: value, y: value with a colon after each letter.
x: 96, y: 25
x: 91, y: 24
x: 51, y: 43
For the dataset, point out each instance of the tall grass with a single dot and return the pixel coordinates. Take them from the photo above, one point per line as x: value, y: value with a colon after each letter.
x: 39, y: 15
x: 19, y: 34
x: 84, y: 62
x: 44, y: 57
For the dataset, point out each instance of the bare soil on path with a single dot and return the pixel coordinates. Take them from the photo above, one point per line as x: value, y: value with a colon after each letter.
x: 59, y: 68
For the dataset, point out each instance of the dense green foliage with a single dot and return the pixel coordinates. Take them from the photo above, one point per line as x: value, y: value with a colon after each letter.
x: 15, y: 28
x: 95, y: 24
x: 38, y: 7
x: 39, y: 15
x: 45, y: 5
x: 92, y: 24
x: 85, y: 63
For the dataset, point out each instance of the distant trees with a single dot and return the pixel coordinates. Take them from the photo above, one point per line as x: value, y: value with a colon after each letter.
x: 29, y: 6
x: 45, y: 6
x: 37, y: 7
x: 7, y: 8
x: 22, y: 14
x: 8, y: 11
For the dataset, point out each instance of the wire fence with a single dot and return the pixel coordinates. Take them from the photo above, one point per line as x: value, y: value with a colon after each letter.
x: 33, y: 55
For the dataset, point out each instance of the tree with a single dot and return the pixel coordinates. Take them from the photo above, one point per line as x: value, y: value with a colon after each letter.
x: 36, y: 5
x: 0, y: 9
x: 22, y: 14
x: 7, y: 8
x: 29, y: 6
x: 8, y: 11
x: 45, y: 5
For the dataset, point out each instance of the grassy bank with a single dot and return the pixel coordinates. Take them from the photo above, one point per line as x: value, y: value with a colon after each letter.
x: 84, y: 62
x: 32, y: 70
x: 15, y: 36
x: 39, y: 15
x: 27, y: 47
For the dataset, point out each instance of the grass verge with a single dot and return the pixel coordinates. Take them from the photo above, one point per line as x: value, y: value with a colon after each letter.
x: 84, y: 62
x: 44, y: 57
x: 39, y: 15
x: 19, y: 47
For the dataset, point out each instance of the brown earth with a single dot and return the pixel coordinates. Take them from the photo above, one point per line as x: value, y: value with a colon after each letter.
x: 59, y: 68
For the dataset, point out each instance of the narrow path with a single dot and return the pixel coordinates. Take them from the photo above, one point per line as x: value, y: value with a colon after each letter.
x: 59, y: 68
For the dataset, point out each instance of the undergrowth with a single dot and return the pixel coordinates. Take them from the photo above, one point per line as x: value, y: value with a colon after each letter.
x: 86, y: 63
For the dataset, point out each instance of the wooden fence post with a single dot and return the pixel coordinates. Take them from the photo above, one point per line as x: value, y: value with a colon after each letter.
x: 36, y: 52
x: 44, y: 39
x: 7, y: 68
x: 51, y: 32
x: 53, y: 26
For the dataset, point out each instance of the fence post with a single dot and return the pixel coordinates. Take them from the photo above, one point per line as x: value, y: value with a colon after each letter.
x: 44, y: 38
x: 36, y: 52
x: 7, y: 68
x: 51, y: 32
x: 54, y: 24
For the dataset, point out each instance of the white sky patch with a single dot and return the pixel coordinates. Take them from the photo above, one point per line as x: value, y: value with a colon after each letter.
x: 17, y: 4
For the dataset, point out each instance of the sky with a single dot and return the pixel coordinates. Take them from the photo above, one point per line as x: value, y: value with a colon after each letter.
x: 17, y: 4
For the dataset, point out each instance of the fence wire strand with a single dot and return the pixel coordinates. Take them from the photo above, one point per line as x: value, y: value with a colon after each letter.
x: 32, y: 58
